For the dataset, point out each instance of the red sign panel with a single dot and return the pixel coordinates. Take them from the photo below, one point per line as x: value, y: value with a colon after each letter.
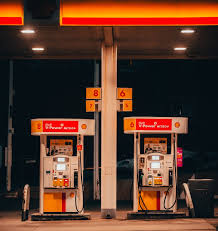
x: 60, y: 126
x: 154, y: 124
x: 179, y: 157
x: 79, y: 147
x: 140, y: 21
x: 138, y: 12
x: 11, y: 21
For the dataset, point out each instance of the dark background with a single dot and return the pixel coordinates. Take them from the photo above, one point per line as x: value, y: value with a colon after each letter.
x: 56, y: 89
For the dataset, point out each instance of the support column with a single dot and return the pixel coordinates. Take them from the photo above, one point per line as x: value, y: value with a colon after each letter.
x: 135, y: 176
x: 135, y: 172
x: 96, y: 181
x: 10, y: 127
x: 172, y: 194
x: 109, y: 131
x: 80, y: 154
x: 80, y: 141
x: 175, y: 172
x: 43, y: 146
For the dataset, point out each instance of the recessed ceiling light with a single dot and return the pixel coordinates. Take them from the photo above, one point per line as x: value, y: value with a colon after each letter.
x: 28, y: 31
x: 188, y: 31
x: 180, y: 48
x: 38, y: 49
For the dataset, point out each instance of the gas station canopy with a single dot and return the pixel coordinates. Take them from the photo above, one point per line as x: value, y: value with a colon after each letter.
x: 11, y: 12
x: 110, y: 30
x: 143, y: 29
x: 138, y: 12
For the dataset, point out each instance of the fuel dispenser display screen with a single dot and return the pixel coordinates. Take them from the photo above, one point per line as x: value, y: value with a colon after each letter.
x: 155, y: 165
x: 155, y: 158
x: 61, y: 159
x: 61, y: 167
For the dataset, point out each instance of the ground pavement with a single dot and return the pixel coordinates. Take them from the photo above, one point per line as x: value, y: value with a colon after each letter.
x: 11, y: 221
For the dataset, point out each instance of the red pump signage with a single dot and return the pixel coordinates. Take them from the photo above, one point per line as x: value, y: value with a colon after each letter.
x: 154, y: 124
x: 60, y: 126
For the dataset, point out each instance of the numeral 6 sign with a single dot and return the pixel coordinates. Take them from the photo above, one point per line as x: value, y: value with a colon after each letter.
x: 124, y: 93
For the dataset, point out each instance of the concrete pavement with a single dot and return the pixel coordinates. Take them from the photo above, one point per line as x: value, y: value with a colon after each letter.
x: 11, y: 221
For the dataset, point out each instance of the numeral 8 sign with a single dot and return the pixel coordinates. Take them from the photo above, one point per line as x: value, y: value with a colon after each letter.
x: 93, y: 93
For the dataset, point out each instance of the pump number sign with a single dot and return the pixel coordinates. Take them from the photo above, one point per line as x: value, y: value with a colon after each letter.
x: 90, y: 105
x: 93, y: 93
x: 124, y: 93
x: 127, y: 105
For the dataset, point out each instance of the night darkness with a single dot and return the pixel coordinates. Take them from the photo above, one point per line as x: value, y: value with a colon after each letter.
x: 56, y: 89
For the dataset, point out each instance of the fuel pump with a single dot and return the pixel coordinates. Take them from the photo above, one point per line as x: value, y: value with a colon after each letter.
x: 156, y: 172
x: 155, y: 167
x: 61, y: 170
x: 61, y: 178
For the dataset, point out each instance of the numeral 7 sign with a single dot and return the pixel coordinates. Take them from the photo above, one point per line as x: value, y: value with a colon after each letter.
x: 90, y: 105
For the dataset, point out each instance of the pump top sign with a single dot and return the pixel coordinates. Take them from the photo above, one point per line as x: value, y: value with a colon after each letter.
x: 156, y: 125
x: 138, y: 12
x: 62, y: 127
